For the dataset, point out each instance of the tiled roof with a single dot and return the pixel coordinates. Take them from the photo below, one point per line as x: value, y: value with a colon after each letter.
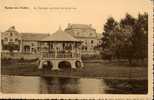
x: 33, y: 36
x: 59, y: 35
x: 80, y: 26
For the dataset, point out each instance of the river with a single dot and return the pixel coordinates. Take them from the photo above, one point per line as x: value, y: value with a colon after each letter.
x: 58, y: 85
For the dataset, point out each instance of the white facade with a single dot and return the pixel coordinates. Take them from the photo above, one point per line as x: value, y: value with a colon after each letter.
x: 87, y: 35
x: 10, y: 39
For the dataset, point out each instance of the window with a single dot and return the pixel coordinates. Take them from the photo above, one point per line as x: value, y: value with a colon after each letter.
x: 51, y: 45
x: 77, y: 33
x: 32, y: 49
x: 32, y: 44
x: 92, y: 41
x: 11, y: 34
x: 16, y: 40
x: 11, y: 40
x: 5, y: 39
x: 86, y: 42
x: 85, y: 48
x: 38, y: 48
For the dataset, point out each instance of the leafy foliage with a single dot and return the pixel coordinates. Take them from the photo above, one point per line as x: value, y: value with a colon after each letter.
x: 126, y: 39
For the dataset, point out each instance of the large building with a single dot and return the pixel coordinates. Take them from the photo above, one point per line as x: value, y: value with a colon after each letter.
x: 87, y: 34
x: 28, y: 43
x: 11, y: 39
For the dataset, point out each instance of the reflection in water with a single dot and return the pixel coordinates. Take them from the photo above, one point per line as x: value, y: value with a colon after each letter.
x: 20, y: 84
x: 72, y: 85
x: 57, y: 85
x: 60, y: 85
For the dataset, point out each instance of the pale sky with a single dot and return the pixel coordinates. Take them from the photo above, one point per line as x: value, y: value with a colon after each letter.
x: 93, y: 12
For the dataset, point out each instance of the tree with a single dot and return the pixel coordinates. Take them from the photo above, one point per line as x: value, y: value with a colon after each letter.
x: 127, y: 39
x: 106, y: 40
x: 108, y: 28
x: 140, y: 37
x: 128, y: 21
x: 127, y: 24
x: 119, y: 38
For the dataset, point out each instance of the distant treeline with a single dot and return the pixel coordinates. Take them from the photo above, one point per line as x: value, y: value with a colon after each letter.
x: 126, y: 39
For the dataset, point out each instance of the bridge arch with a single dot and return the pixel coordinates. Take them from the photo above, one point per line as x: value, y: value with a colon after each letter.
x: 64, y: 65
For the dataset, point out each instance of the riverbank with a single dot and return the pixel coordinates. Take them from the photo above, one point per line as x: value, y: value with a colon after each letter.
x: 91, y: 69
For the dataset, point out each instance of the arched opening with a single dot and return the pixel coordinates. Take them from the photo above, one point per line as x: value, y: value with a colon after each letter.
x: 78, y: 64
x: 47, y: 66
x: 64, y: 65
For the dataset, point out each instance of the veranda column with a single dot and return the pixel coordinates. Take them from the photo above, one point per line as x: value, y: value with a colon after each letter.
x: 73, y: 64
x: 20, y: 44
x: 55, y: 61
x: 73, y: 50
x: 55, y: 48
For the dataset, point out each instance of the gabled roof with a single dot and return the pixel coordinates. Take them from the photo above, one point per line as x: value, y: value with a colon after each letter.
x: 60, y: 35
x: 33, y: 36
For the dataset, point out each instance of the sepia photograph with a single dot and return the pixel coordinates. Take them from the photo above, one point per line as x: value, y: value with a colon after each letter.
x: 75, y: 47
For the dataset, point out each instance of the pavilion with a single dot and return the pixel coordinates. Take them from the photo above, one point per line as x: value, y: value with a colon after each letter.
x: 59, y: 51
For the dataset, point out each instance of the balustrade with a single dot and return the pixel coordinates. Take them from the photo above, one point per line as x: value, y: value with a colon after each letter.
x: 60, y: 55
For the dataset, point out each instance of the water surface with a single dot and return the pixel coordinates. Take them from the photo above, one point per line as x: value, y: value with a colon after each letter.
x: 57, y: 85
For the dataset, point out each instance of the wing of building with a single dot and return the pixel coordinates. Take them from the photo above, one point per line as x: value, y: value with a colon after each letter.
x: 20, y: 42
x: 87, y: 34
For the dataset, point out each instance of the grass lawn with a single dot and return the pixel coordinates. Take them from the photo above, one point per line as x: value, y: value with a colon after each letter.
x: 106, y: 70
